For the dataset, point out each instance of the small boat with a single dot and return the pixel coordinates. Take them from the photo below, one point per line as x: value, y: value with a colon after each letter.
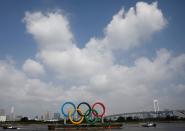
x: 10, y: 127
x: 149, y: 124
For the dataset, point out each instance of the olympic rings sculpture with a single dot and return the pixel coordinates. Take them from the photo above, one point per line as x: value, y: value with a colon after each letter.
x: 90, y: 115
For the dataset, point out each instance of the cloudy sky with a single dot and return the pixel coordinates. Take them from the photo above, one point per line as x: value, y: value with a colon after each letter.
x: 123, y: 53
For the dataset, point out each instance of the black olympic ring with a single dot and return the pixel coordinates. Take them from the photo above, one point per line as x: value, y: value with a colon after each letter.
x: 84, y: 103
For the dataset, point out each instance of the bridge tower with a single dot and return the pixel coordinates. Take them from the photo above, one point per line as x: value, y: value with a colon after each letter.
x: 156, y: 105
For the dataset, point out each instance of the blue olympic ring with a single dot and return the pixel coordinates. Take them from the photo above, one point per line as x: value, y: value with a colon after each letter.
x: 62, y: 108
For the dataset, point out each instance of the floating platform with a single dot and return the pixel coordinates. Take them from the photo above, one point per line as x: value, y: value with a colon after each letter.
x: 97, y: 126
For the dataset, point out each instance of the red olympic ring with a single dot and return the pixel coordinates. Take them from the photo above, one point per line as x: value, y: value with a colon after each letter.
x: 102, y: 105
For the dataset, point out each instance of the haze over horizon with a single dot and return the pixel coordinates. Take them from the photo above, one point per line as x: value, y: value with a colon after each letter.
x: 123, y: 53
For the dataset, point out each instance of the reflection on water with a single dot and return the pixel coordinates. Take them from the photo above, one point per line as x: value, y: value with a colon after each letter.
x: 126, y: 127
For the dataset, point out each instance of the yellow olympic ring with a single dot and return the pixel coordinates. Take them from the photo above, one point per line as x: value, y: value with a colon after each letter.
x: 76, y: 122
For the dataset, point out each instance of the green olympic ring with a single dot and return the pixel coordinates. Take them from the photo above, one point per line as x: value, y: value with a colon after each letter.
x: 89, y: 118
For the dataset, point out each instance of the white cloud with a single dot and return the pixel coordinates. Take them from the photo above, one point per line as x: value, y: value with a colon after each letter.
x: 123, y: 32
x: 63, y: 57
x: 130, y: 29
x: 51, y: 30
x: 91, y: 73
x: 75, y: 64
x: 33, y: 68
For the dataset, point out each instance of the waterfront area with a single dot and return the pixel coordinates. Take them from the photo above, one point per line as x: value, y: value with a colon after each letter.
x: 179, y: 126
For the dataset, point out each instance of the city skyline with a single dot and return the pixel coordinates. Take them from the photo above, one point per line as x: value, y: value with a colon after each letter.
x: 124, y: 53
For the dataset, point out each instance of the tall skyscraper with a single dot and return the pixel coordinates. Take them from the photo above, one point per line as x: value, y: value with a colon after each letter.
x: 12, y: 115
x: 47, y: 116
x: 41, y: 117
x: 12, y: 110
x: 156, y: 105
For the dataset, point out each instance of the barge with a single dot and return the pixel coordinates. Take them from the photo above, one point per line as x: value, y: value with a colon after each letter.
x: 97, y: 126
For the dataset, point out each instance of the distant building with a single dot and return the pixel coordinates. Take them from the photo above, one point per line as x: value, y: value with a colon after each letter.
x: 12, y: 115
x: 7, y: 117
x: 156, y: 105
x: 42, y: 117
x: 47, y: 116
x: 56, y: 116
x: 2, y: 112
x: 2, y: 115
x: 36, y: 118
x: 2, y: 118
